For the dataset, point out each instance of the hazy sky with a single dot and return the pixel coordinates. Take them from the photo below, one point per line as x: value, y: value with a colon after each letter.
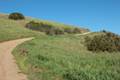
x: 93, y: 14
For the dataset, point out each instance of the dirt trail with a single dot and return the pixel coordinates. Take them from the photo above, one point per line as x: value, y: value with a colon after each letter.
x: 84, y: 34
x: 8, y: 67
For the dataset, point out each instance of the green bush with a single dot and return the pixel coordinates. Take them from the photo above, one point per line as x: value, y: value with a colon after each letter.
x: 106, y: 42
x: 77, y: 30
x: 52, y: 30
x: 16, y: 16
x: 104, y: 31
x: 38, y: 26
x: 68, y: 30
x: 48, y: 29
x: 59, y: 31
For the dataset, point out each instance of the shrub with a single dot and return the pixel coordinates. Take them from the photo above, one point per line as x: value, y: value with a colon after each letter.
x: 32, y: 25
x: 38, y: 26
x: 68, y: 30
x: 48, y: 29
x: 59, y: 31
x: 104, y: 31
x: 106, y: 42
x: 16, y: 16
x: 76, y: 30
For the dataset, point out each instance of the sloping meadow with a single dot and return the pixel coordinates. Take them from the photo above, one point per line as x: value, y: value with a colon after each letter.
x: 13, y: 29
x: 65, y: 58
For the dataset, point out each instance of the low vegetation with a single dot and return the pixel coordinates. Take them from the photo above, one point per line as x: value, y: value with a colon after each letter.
x: 16, y: 16
x: 65, y: 58
x: 105, y: 42
x: 10, y: 29
x: 62, y: 57
x: 48, y: 29
x: 53, y: 30
x: 13, y: 29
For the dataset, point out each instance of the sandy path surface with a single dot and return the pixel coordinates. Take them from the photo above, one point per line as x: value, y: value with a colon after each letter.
x: 8, y: 67
x: 84, y: 33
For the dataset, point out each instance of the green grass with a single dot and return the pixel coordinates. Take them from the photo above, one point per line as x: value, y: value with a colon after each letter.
x: 11, y: 29
x: 58, y: 57
x: 65, y: 58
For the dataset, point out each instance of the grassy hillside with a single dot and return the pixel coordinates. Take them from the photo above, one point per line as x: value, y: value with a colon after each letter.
x: 62, y: 57
x: 10, y: 29
x: 65, y: 58
x: 13, y: 29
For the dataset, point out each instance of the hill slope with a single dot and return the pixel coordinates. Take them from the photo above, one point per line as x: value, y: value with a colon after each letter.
x: 62, y: 57
x: 65, y: 58
x: 11, y: 29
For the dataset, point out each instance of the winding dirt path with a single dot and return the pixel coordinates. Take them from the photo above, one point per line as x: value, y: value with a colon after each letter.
x: 8, y: 67
x: 84, y: 34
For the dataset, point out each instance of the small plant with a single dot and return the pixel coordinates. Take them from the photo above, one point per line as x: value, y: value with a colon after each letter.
x: 16, y: 16
x: 41, y: 58
x: 23, y: 52
x: 106, y: 42
x: 76, y: 75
